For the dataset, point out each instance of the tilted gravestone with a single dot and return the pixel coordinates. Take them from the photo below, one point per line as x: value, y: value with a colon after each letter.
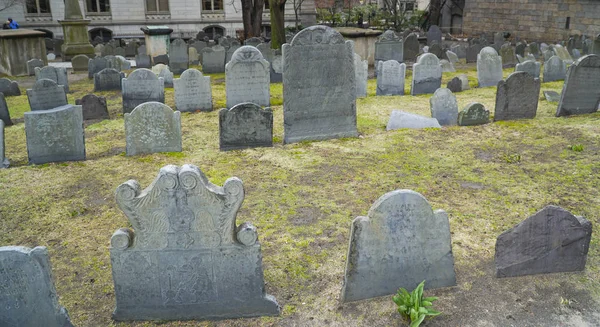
x: 59, y: 75
x: 28, y: 297
x: 152, y: 127
x: 193, y: 91
x: 142, y: 85
x: 389, y: 46
x: 410, y: 47
x: 9, y: 88
x: 108, y: 79
x: 318, y: 86
x: 178, y: 56
x: 361, y: 75
x: 245, y: 125
x: 95, y: 65
x: 444, y: 107
x: 400, y: 119
x: 213, y: 60
x: 4, y: 163
x: 452, y: 57
x: 247, y: 78
x: 473, y: 114
x: 530, y: 67
x: 4, y: 113
x: 400, y: 243
x: 517, y: 97
x: 489, y: 67
x: 390, y: 79
x: 186, y: 258
x: 46, y: 94
x: 563, y: 54
x: 552, y: 240
x: 93, y: 107
x: 434, y: 34
x: 507, y: 52
x: 32, y: 64
x: 427, y: 75
x: 55, y: 135
x: 580, y: 93
x: 555, y: 69
x: 80, y: 63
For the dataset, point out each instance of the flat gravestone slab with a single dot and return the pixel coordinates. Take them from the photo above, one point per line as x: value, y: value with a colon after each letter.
x: 517, y: 97
x: 187, y: 258
x: 57, y: 74
x: 444, y: 107
x: 555, y: 69
x: 473, y: 114
x: 489, y: 67
x: 108, y: 79
x: 141, y: 86
x: 28, y: 297
x: 95, y: 65
x: 400, y: 119
x: 46, y: 94
x: 152, y: 127
x: 427, y: 75
x: 32, y: 64
x: 93, y: 107
x: 389, y: 46
x: 213, y: 60
x: 245, y: 125
x: 9, y: 88
x: 530, y: 67
x: 390, y: 78
x: 4, y: 163
x: 400, y: 243
x: 411, y: 47
x: 178, y: 56
x: 55, y: 135
x: 4, y: 113
x: 552, y: 240
x: 193, y: 91
x: 80, y: 63
x: 247, y: 78
x: 361, y: 75
x: 580, y: 93
x: 552, y: 96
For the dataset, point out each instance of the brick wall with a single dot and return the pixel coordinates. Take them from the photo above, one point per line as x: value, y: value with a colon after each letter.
x: 540, y: 20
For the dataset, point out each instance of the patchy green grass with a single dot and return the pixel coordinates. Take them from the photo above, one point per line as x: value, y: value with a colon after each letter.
x: 303, y: 197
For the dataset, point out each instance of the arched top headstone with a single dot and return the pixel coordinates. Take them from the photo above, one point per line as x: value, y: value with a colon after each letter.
x: 317, y: 34
x: 191, y: 73
x: 44, y: 83
x: 10, y: 88
x: 247, y: 53
x: 142, y: 74
x: 488, y: 51
x: 428, y: 59
x: 389, y: 36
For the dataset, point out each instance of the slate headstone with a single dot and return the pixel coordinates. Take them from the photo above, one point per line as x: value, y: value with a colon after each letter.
x: 444, y: 107
x: 530, y: 67
x: 400, y: 119
x: 152, y: 127
x: 95, y: 65
x: 9, y: 88
x: 108, y: 50
x: 555, y: 69
x: 193, y: 91
x: 80, y: 63
x: 434, y: 34
x: 447, y: 67
x: 178, y: 56
x: 108, y: 79
x: 246, y: 125
x: 199, y: 46
x: 520, y: 49
x: 51, y: 56
x: 534, y: 49
x: 229, y: 53
x: 57, y: 74
x: 131, y: 49
x: 517, y: 97
x: 390, y: 79
x: 267, y: 52
x: 427, y: 75
x: 247, y: 78
x: 411, y: 47
x: 167, y: 76
x: 4, y: 113
x: 461, y: 51
x: 549, y: 54
x: 552, y: 96
x: 142, y: 60
x: 142, y: 85
x: 253, y: 41
x: 473, y: 114
x: 4, y: 163
x: 93, y: 107
x: 437, y: 50
x: 161, y: 59
x: 120, y: 51
x: 580, y: 93
x: 114, y: 62
x: 361, y: 75
x: 489, y: 67
x: 277, y: 67
x: 98, y: 49
x: 509, y: 59
x: 389, y: 46
x: 32, y: 64
x: 46, y: 94
x: 473, y: 52
x: 213, y: 60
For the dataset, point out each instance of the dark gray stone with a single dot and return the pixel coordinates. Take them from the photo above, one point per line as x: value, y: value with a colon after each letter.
x: 4, y: 113
x: 455, y: 85
x: 80, y: 63
x: 59, y: 75
x: 266, y: 51
x: 434, y: 34
x: 400, y: 119
x: 187, y: 259
x: 32, y: 64
x: 389, y: 46
x: 4, y: 163
x: 552, y: 240
x: 58, y: 47
x: 517, y: 97
x: 142, y: 59
x: 427, y: 75
x: 119, y: 51
x: 131, y: 49
x: 245, y: 125
x: 142, y: 85
x: 400, y: 243
x: 552, y: 96
x: 489, y: 67
x: 9, y: 88
x: 229, y: 52
x: 520, y: 49
x: 595, y: 49
x: 213, y: 60
x: 178, y: 56
x: 473, y: 52
x: 534, y: 49
x: 193, y: 91
x: 277, y: 67
x: 114, y: 62
x: 530, y: 67
x: 580, y: 93
x: 161, y: 59
x: 473, y: 114
x: 507, y: 52
x: 410, y: 47
x: 46, y: 94
x: 437, y: 50
x: 108, y: 79
x: 95, y: 65
x: 390, y: 79
x: 55, y: 135
x: 554, y: 69
x: 93, y: 107
x: 247, y: 78
x: 152, y: 127
x: 444, y: 107
x: 29, y: 298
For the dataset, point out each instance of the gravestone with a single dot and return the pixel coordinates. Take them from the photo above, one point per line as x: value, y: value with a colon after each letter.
x: 29, y: 298
x: 427, y: 75
x: 517, y: 97
x: 213, y: 60
x: 185, y: 257
x: 156, y: 69
x: 552, y: 240
x: 253, y: 41
x: 152, y: 127
x: 447, y: 67
x: 444, y: 107
x: 534, y: 49
x: 178, y: 56
x: 400, y: 243
x: 193, y: 91
x: 267, y: 52
x: 142, y: 85
x: 247, y: 78
x: 551, y: 96
x: 400, y: 119
x: 161, y: 59
x: 277, y: 67
x: 131, y: 49
x: 167, y: 76
x: 458, y: 84
x: 548, y: 54
x: 32, y: 64
x: 246, y: 125
x: 434, y: 34
x: 108, y: 79
x: 59, y: 75
x: 555, y: 69
x: 473, y: 114
x: 318, y: 103
x: 452, y: 57
x: 389, y: 46
x: 193, y: 56
x: 46, y: 94
x: 411, y: 47
x: 119, y: 51
x: 595, y: 49
x: 199, y: 46
x: 80, y: 63
x: 489, y: 67
x: 580, y: 93
x: 4, y: 113
x: 530, y: 67
x: 95, y: 65
x: 460, y: 50
x: 9, y: 88
x: 108, y: 50
x: 437, y: 50
x: 390, y: 79
x: 361, y: 75
x: 125, y: 64
x: 229, y: 53
x: 4, y: 163
x: 509, y: 59
x: 98, y: 49
x: 58, y: 47
x: 93, y: 107
x: 55, y: 135
x: 473, y: 52
x: 114, y: 62
x: 142, y: 59
x: 51, y: 56
x: 520, y: 49
x: 563, y: 54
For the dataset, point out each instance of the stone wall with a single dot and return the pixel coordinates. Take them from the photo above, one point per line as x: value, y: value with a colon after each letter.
x: 540, y: 20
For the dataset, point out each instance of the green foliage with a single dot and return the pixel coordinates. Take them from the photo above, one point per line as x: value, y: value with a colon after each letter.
x: 576, y: 147
x: 512, y: 158
x: 413, y: 306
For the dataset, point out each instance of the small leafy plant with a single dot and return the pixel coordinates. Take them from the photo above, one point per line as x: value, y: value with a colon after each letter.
x: 577, y: 147
x: 413, y: 306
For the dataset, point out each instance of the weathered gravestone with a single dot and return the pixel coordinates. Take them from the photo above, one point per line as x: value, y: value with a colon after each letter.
x: 517, y: 97
x: 489, y: 67
x: 161, y: 59
x: 389, y: 46
x: 51, y: 56
x: 142, y: 59
x: 247, y: 78
x: 59, y: 75
x: 581, y: 91
x: 473, y: 52
x: 410, y: 47
x: 458, y: 84
x: 520, y: 49
x: 507, y: 52
x: 534, y: 49
x: 229, y: 53
x: 277, y: 67
x: 178, y: 56
x: 452, y: 57
x: 549, y: 54
x: 27, y: 294
x: 245, y: 125
x: 253, y: 41
x: 447, y: 67
x: 595, y: 49
x: 142, y: 85
x: 460, y: 50
x: 131, y: 49
x: 361, y: 75
x: 400, y: 119
x: 185, y: 257
x: 213, y: 60
x: 437, y: 50
x: 4, y: 163
x: 563, y: 54
x: 193, y: 56
x: 4, y: 113
x: 80, y: 63
x: 193, y: 91
x: 320, y: 102
x: 552, y: 240
x: 167, y: 76
x: 156, y: 69
x: 32, y: 64
x: 427, y: 75
x: 152, y: 127
x: 93, y: 107
x: 444, y: 107
x: 9, y: 88
x: 125, y: 64
x: 46, y: 94
x: 108, y: 50
x: 108, y: 79
x: 400, y: 243
x: 120, y: 51
x: 390, y: 79
x: 114, y: 62
x: 55, y: 135
x: 95, y: 65
x: 98, y: 49
x: 530, y: 67
x: 555, y: 69
x: 199, y: 46
x: 473, y: 114
x: 266, y: 51
x: 551, y: 96
x: 434, y: 34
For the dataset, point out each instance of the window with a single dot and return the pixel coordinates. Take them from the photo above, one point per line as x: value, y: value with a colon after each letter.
x: 410, y: 6
x: 568, y: 23
x: 38, y: 7
x: 267, y: 5
x: 97, y: 6
x: 157, y: 6
x: 212, y: 5
x: 214, y: 32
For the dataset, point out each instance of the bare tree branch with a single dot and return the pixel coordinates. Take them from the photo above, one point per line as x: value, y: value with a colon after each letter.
x: 6, y: 4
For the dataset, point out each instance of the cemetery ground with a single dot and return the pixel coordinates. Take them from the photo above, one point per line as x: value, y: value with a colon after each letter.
x: 303, y: 197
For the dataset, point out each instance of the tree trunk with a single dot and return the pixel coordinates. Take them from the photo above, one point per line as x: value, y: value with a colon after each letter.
x: 247, y: 17
x: 252, y: 17
x: 434, y: 12
x: 257, y: 12
x: 277, y: 9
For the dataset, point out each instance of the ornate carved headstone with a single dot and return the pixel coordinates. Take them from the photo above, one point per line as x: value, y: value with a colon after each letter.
x: 530, y: 67
x: 473, y: 114
x: 80, y: 63
x: 178, y: 56
x: 142, y: 85
x: 389, y: 46
x: 245, y: 125
x: 193, y: 91
x: 581, y: 94
x: 554, y: 69
x: 57, y: 74
x: 9, y: 88
x: 427, y: 75
x: 108, y: 79
x: 46, y: 94
x: 152, y: 127
x: 411, y: 47
x: 489, y: 67
x: 247, y: 78
x: 213, y: 60
x: 361, y: 75
x: 93, y: 107
x: 517, y: 97
x: 444, y: 107
x: 390, y: 79
x: 187, y: 258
